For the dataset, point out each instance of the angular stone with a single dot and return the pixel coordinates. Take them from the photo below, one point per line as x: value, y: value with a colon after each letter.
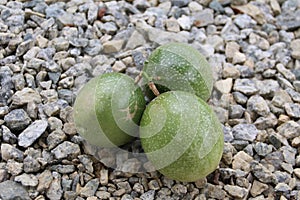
x: 152, y: 33
x: 224, y: 86
x: 289, y: 129
x: 258, y: 105
x: 90, y: 188
x: 242, y: 161
x: 258, y: 188
x: 45, y: 179
x: 11, y: 190
x: 10, y: 152
x: 292, y: 109
x: 247, y: 132
x: 263, y: 149
x: 66, y: 150
x: 236, y: 191
x: 17, y: 120
x: 113, y: 46
x: 245, y: 86
x: 32, y: 133
x: 27, y: 180
x: 203, y: 18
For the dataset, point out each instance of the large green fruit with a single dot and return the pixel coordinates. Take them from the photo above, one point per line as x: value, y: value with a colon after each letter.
x: 178, y: 66
x: 108, y: 109
x: 181, y: 136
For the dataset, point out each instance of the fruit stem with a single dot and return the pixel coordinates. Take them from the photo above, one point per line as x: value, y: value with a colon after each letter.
x: 153, y: 88
x: 150, y: 82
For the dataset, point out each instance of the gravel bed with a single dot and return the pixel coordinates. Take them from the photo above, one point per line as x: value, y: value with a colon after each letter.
x: 49, y: 49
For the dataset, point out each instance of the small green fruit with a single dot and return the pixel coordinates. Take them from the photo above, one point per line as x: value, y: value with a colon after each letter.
x: 181, y: 136
x: 178, y: 66
x: 108, y: 109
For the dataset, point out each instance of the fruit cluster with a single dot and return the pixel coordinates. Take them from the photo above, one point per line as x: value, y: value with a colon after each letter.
x: 179, y: 132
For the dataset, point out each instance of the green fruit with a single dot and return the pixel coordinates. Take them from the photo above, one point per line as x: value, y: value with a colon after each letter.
x: 178, y: 66
x: 108, y: 109
x: 181, y: 136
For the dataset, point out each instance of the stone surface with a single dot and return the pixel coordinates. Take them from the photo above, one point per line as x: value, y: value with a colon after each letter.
x: 13, y: 190
x: 32, y: 133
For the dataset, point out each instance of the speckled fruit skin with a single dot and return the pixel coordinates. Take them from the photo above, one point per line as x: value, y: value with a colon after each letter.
x: 178, y: 66
x: 108, y: 109
x: 181, y: 136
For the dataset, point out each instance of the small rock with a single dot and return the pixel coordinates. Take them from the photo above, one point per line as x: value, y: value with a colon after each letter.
x: 113, y: 46
x: 262, y: 173
x: 8, y: 136
x: 10, y: 152
x: 12, y: 190
x: 131, y: 165
x: 136, y: 40
x: 224, y: 86
x: 275, y: 7
x: 90, y: 188
x: 242, y: 161
x: 17, y: 120
x: 45, y: 179
x: 32, y: 133
x: 238, y: 58
x: 172, y: 25
x: 282, y: 187
x: 280, y: 98
x: 14, y: 168
x: 268, y: 87
x: 103, y: 177
x: 27, y: 180
x: 289, y: 154
x: 240, y: 98
x: 244, y: 21
x: 149, y: 195
x: 245, y: 86
x: 119, y: 66
x: 31, y: 164
x: 295, y: 48
x: 203, y: 18
x: 66, y: 150
x: 231, y: 49
x: 55, y: 190
x: 236, y: 191
x: 296, y: 142
x: 263, y: 149
x: 236, y: 111
x: 258, y: 105
x: 258, y: 188
x: 103, y: 194
x: 185, y: 22
x: 289, y: 129
x: 292, y: 109
x: 247, y: 132
x: 285, y: 72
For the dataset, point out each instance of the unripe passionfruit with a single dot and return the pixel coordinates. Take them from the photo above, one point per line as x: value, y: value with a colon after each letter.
x: 181, y: 136
x: 178, y: 66
x: 108, y: 109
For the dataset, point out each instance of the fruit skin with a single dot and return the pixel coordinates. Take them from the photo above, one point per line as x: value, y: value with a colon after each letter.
x: 181, y: 136
x: 108, y: 109
x: 178, y: 66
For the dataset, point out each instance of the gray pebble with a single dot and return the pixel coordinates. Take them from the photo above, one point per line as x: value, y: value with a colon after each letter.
x: 149, y: 195
x: 8, y: 136
x: 90, y: 188
x: 12, y: 190
x: 10, y: 152
x: 256, y: 104
x: 27, y: 180
x: 31, y: 164
x: 245, y: 86
x: 55, y: 190
x: 236, y: 111
x: 17, y: 120
x: 246, y: 132
x: 66, y: 150
x: 32, y: 133
x: 263, y: 149
x: 292, y: 109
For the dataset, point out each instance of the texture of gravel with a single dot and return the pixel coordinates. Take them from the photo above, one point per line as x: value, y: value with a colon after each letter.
x: 50, y: 49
